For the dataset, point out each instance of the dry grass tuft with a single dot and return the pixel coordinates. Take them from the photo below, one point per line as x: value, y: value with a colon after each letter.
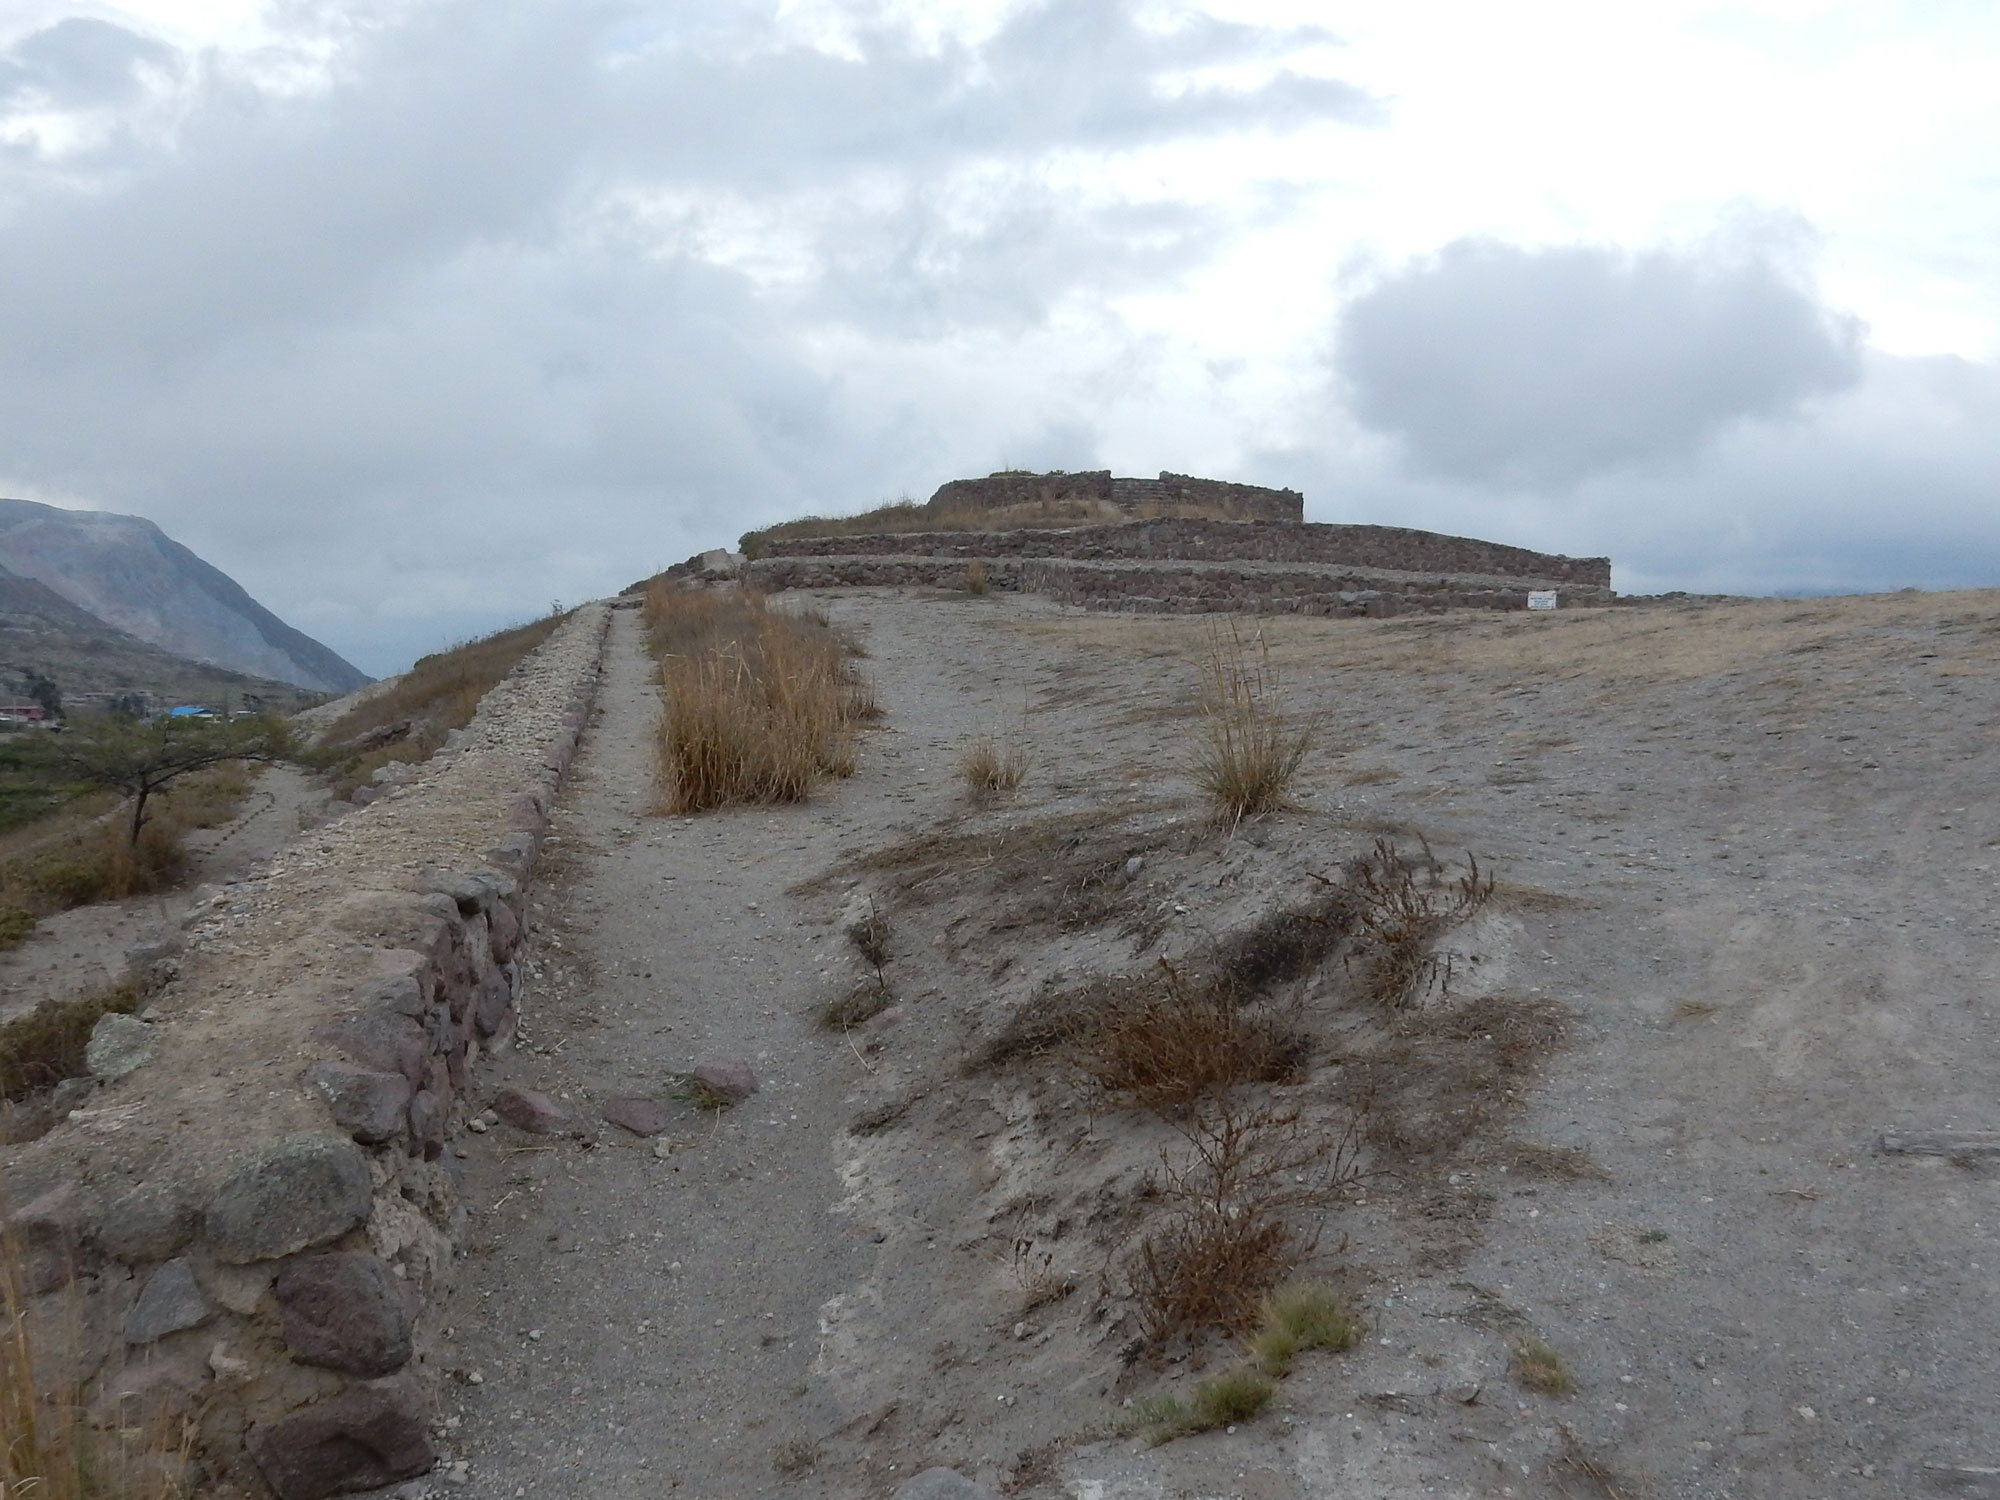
x: 52, y: 1450
x: 409, y: 720
x: 761, y: 703
x: 1231, y: 1239
x: 976, y: 579
x: 1162, y: 1041
x: 1229, y: 1396
x: 1249, y: 750
x: 1402, y: 907
x: 1540, y: 1368
x: 1302, y: 1315
x: 992, y: 768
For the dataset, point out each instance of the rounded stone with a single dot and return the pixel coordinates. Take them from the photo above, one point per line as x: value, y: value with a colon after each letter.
x: 300, y: 1191
x: 119, y: 1044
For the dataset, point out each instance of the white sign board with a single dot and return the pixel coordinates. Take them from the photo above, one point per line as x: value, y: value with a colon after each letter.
x: 1541, y: 598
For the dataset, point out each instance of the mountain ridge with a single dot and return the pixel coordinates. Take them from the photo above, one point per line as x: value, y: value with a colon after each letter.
x: 132, y: 577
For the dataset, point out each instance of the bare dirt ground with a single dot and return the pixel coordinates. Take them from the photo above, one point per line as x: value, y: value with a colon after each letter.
x: 1745, y: 857
x: 74, y: 952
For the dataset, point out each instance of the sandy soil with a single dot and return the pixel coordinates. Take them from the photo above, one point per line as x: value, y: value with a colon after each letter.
x: 1745, y: 854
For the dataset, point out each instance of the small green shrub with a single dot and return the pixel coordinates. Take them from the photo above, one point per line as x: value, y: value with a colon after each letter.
x: 1233, y: 1395
x: 17, y: 925
x: 1540, y: 1368
x: 1299, y: 1316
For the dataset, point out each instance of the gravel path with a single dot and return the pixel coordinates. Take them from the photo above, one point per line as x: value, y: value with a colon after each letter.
x: 650, y: 1313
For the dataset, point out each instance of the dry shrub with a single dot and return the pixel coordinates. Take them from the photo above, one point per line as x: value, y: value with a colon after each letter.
x: 760, y: 703
x: 1401, y: 907
x: 409, y: 719
x: 1249, y: 750
x: 101, y: 863
x: 1439, y: 1078
x: 992, y: 768
x: 50, y: 1449
x: 1231, y: 1238
x: 976, y: 580
x: 17, y: 925
x: 42, y: 1048
x: 1164, y: 1040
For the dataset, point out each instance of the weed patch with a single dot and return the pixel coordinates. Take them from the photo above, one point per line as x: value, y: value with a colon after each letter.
x: 1163, y: 1040
x: 1401, y: 907
x: 1231, y: 1239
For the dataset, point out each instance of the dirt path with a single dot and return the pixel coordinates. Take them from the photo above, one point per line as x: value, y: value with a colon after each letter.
x: 1746, y: 851
x: 74, y: 952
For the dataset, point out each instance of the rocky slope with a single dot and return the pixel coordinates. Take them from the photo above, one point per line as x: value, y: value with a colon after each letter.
x: 128, y: 573
x: 43, y: 634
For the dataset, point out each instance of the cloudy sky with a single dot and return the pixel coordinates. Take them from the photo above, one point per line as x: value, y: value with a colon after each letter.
x: 417, y: 315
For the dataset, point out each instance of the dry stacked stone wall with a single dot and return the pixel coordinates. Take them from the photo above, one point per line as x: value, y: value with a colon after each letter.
x: 1097, y: 488
x: 249, y: 1229
x: 1170, y: 586
x: 1383, y: 548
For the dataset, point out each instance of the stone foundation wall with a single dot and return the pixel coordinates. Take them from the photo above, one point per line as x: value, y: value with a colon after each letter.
x: 246, y: 1229
x: 1096, y: 487
x: 1392, y: 548
x: 1175, y: 588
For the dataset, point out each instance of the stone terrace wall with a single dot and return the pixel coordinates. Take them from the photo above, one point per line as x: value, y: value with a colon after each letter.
x: 1239, y: 502
x: 1175, y: 588
x: 250, y: 1226
x: 1393, y: 548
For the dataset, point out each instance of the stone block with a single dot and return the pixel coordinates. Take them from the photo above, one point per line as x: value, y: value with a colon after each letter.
x: 49, y: 1237
x: 363, y: 1438
x: 150, y: 1222
x: 369, y: 1105
x: 528, y: 1110
x: 118, y: 1045
x: 300, y: 1191
x: 641, y: 1116
x: 346, y: 1311
x: 490, y: 1004
x: 171, y: 1300
x: 427, y: 1122
x: 729, y: 1079
x: 379, y: 1040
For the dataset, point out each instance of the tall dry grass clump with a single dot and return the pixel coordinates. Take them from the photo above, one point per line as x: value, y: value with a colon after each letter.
x: 761, y: 703
x: 992, y: 768
x: 50, y: 1448
x: 1250, y: 747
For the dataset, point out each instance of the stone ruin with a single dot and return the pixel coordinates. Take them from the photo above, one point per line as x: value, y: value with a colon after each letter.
x: 1095, y: 489
x: 1177, y: 545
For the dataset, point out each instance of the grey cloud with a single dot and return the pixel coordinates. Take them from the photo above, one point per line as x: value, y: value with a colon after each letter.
x: 390, y: 354
x: 79, y: 63
x: 1523, y: 368
x: 1077, y: 73
x: 1887, y: 484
